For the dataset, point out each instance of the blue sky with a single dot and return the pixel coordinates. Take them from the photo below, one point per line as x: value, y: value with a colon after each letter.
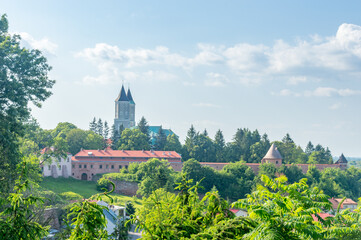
x: 276, y: 66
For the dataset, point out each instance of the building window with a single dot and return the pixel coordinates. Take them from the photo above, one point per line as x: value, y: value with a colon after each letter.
x: 126, y: 166
x: 67, y: 159
x: 49, y: 167
x: 84, y: 166
x: 106, y: 166
x: 73, y: 174
x: 42, y: 169
x: 91, y: 166
x: 276, y: 162
x: 79, y: 165
x: 120, y: 166
x: 59, y: 167
x: 112, y: 167
x: 100, y: 166
x: 73, y: 165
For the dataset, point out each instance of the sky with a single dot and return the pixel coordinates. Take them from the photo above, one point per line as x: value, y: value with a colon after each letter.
x: 276, y: 66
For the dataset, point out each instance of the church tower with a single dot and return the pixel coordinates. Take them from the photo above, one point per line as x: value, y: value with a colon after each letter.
x: 124, y: 110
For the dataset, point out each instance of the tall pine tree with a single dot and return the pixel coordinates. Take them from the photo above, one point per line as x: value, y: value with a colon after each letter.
x: 160, y: 140
x: 100, y: 129
x: 93, y: 125
x: 143, y: 126
x: 106, y: 130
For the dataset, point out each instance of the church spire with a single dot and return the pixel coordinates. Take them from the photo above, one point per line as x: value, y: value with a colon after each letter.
x: 129, y: 96
x: 122, y: 95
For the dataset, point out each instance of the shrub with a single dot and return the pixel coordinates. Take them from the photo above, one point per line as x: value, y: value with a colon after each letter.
x: 103, y: 183
x: 71, y: 196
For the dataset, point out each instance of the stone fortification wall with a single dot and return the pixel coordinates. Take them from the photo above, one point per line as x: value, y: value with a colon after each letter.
x: 125, y: 187
x: 255, y: 166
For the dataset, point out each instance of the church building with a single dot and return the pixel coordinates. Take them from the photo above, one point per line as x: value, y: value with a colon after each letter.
x: 124, y: 110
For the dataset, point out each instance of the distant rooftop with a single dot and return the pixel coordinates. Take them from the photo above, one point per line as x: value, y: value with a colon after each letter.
x: 273, y: 153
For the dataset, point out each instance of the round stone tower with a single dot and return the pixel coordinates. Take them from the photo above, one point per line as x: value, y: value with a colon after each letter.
x: 273, y: 156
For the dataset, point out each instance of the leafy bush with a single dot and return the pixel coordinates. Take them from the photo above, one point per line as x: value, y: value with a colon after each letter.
x: 103, y: 183
x: 50, y: 198
x: 71, y: 196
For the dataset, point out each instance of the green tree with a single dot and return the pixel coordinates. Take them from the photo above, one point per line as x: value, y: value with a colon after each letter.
x: 160, y: 140
x: 204, y: 150
x: 78, y: 139
x: 173, y: 144
x: 17, y: 221
x: 268, y: 169
x: 130, y: 210
x: 219, y: 144
x: 309, y: 148
x: 115, y: 137
x: 293, y: 173
x: 165, y: 215
x: 133, y: 139
x: 106, y: 130
x: 23, y: 79
x: 93, y: 125
x: 154, y: 174
x: 282, y: 211
x: 100, y: 128
x: 143, y: 126
x: 189, y: 145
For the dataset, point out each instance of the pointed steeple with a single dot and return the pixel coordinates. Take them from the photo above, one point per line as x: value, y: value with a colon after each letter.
x: 122, y: 95
x: 342, y: 159
x: 273, y: 153
x: 129, y: 95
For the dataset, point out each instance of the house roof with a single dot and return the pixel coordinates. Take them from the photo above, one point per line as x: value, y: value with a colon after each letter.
x: 322, y: 215
x: 155, y: 130
x: 127, y: 154
x: 122, y: 95
x: 273, y: 153
x: 342, y: 159
x: 336, y: 201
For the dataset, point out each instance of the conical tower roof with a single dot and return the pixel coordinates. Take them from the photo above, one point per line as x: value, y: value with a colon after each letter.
x: 273, y: 153
x: 129, y: 95
x: 122, y: 95
x: 342, y: 159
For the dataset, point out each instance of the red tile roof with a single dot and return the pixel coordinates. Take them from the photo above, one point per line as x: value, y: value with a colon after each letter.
x: 322, y: 215
x: 234, y: 210
x: 336, y: 201
x: 127, y: 154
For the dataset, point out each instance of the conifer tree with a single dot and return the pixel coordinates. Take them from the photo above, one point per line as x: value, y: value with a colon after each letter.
x: 93, y: 125
x: 143, y: 126
x: 219, y: 145
x: 309, y: 148
x: 106, y: 130
x: 100, y: 129
x: 160, y: 140
x: 115, y: 136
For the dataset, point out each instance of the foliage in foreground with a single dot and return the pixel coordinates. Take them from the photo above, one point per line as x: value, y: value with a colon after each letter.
x: 276, y: 211
x: 17, y: 220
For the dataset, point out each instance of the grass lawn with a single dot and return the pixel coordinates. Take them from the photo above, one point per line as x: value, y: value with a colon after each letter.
x: 84, y: 188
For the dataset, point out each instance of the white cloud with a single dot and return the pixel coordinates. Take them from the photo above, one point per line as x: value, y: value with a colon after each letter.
x: 335, y: 106
x: 286, y: 92
x: 320, y: 92
x: 44, y: 44
x: 111, y: 77
x: 329, y: 58
x: 206, y: 105
x: 296, y: 80
x: 216, y: 80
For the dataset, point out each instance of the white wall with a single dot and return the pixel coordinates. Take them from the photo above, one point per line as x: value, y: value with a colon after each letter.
x: 57, y: 166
